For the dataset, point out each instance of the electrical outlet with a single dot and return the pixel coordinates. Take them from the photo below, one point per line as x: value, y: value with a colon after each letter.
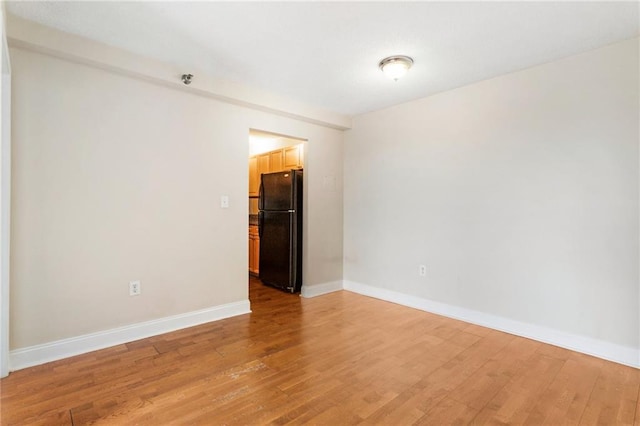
x: 422, y: 270
x: 134, y: 288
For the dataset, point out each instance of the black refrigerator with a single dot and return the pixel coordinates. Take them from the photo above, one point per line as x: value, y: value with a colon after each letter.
x: 280, y: 227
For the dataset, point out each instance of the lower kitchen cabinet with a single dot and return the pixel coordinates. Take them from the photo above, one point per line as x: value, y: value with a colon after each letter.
x: 254, y: 250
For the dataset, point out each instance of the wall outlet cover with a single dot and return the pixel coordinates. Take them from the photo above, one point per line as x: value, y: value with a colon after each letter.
x: 134, y: 288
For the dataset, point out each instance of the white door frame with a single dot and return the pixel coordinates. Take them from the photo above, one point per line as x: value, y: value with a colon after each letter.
x: 5, y: 195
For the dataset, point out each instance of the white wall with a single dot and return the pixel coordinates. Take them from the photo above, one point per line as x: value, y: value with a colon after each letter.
x: 36, y: 37
x: 259, y: 145
x: 117, y: 179
x: 519, y: 193
x: 5, y: 194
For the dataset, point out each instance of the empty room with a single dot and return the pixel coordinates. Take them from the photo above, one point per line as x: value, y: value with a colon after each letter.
x: 330, y: 213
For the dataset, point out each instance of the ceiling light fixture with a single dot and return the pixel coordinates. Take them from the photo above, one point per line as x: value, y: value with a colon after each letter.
x: 395, y: 67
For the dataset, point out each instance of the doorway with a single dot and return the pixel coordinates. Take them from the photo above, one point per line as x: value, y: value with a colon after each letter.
x: 272, y: 153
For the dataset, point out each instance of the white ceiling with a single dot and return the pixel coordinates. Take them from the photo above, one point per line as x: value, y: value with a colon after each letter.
x: 326, y: 54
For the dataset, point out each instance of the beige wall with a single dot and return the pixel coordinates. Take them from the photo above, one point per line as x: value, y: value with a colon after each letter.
x: 259, y: 144
x: 519, y: 194
x: 117, y: 179
x: 5, y: 193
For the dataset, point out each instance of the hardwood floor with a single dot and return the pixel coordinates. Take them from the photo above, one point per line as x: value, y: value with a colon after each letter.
x: 336, y: 359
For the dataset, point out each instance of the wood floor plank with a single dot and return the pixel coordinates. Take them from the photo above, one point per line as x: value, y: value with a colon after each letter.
x: 516, y: 400
x: 614, y: 397
x: 340, y: 358
x: 565, y: 399
x: 449, y: 412
x: 482, y: 386
x: 57, y: 418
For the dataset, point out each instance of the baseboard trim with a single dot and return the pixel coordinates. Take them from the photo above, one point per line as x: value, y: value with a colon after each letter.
x: 53, y: 351
x: 587, y: 345
x: 320, y: 289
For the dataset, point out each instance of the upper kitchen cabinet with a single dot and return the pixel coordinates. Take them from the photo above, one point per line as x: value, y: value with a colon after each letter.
x: 275, y: 161
x: 291, y: 157
x: 258, y: 165
x: 264, y: 164
x: 254, y: 177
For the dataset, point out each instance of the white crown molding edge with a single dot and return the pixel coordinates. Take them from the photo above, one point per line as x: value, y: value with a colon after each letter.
x: 320, y: 289
x: 587, y: 345
x: 53, y: 351
x: 31, y: 36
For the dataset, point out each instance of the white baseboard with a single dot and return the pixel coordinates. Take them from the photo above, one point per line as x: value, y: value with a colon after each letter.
x: 590, y: 346
x: 52, y: 351
x: 320, y: 289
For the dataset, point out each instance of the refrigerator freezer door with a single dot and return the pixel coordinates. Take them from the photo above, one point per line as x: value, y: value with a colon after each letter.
x: 278, y: 252
x: 278, y: 191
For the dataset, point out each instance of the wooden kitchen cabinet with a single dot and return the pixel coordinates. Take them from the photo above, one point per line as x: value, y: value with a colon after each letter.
x: 288, y: 158
x: 264, y: 164
x: 275, y: 161
x: 257, y: 166
x: 254, y: 177
x: 254, y: 250
x: 292, y: 157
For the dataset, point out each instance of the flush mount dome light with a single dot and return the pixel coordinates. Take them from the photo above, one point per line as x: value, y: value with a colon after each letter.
x: 396, y: 67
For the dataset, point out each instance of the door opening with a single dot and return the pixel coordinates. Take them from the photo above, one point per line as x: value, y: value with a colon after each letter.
x: 274, y: 153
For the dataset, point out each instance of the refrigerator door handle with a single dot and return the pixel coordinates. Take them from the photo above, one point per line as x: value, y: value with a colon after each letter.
x: 293, y: 255
x: 260, y: 223
x: 261, y: 195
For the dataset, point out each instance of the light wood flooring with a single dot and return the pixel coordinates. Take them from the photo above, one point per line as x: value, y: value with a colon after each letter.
x: 336, y: 359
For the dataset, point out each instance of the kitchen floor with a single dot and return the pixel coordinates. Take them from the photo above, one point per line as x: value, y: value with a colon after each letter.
x: 341, y: 358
